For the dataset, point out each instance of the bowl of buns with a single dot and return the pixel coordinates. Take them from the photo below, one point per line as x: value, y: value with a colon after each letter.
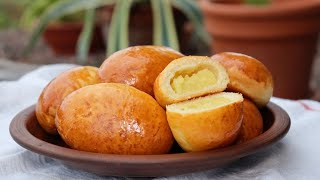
x: 150, y: 111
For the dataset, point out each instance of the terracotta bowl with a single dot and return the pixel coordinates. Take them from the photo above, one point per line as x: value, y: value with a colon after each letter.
x: 26, y: 131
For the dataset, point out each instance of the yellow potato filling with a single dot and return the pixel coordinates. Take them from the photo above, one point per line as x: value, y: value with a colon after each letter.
x: 205, y: 103
x: 194, y: 82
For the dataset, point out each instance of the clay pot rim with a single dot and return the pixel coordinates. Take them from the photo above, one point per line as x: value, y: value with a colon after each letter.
x: 269, y: 11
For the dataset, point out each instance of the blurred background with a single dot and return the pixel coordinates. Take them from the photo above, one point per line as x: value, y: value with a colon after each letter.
x: 283, y: 34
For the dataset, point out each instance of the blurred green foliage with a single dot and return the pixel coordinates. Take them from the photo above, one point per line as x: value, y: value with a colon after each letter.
x: 164, y: 31
x: 35, y: 8
x: 6, y: 20
x: 10, y: 11
x: 25, y: 13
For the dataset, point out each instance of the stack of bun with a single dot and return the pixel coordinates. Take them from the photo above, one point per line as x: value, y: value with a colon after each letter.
x: 143, y: 98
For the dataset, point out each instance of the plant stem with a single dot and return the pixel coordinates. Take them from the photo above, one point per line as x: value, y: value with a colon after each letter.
x: 84, y: 41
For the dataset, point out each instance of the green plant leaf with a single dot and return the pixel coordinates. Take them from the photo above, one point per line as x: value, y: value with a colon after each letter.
x: 157, y: 23
x: 59, y: 9
x: 171, y: 33
x: 124, y: 24
x: 118, y: 35
x: 84, y: 41
x: 164, y: 32
x: 193, y: 12
x: 33, y: 10
x: 113, y: 30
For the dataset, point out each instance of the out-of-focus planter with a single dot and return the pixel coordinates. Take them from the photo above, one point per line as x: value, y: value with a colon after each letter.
x: 141, y: 25
x: 62, y: 37
x: 282, y: 35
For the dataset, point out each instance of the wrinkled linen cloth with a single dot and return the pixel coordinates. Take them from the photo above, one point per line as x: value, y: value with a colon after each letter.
x: 296, y: 156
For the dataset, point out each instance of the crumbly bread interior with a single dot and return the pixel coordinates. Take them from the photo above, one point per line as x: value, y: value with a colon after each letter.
x: 205, y: 103
x: 190, y: 77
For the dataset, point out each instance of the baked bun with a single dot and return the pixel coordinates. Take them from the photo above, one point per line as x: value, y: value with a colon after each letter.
x: 137, y: 66
x: 208, y: 122
x: 189, y: 77
x: 252, y: 124
x: 53, y: 94
x: 247, y: 76
x: 113, y: 118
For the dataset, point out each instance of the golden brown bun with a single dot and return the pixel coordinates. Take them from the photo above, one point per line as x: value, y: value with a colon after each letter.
x: 207, y: 77
x: 113, y: 118
x: 252, y: 125
x: 53, y: 94
x: 137, y: 66
x: 207, y: 122
x: 247, y: 76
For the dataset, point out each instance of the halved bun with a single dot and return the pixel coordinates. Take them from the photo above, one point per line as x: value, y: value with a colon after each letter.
x: 207, y: 122
x: 189, y: 77
x: 247, y: 76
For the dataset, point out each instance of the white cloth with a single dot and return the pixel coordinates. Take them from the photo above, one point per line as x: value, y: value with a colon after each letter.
x: 297, y: 156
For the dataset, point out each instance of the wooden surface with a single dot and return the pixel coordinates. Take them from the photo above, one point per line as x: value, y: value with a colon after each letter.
x: 26, y: 131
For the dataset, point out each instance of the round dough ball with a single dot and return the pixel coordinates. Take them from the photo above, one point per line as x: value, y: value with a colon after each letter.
x: 53, y: 94
x: 252, y: 123
x: 247, y: 76
x: 208, y: 122
x: 115, y: 119
x: 137, y: 66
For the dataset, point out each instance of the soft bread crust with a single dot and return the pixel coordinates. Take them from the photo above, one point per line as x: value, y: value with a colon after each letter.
x: 113, y: 118
x: 53, y: 94
x: 137, y: 66
x: 163, y: 91
x: 252, y: 125
x: 247, y: 76
x: 207, y: 129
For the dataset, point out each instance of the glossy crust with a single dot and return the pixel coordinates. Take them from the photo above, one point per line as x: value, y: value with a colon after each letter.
x: 199, y: 131
x: 53, y: 94
x: 137, y: 66
x: 252, y: 125
x: 163, y: 91
x: 247, y: 76
x: 113, y: 118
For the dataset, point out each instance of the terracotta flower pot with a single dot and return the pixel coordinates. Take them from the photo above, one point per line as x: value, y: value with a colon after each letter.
x: 282, y: 35
x: 63, y: 37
